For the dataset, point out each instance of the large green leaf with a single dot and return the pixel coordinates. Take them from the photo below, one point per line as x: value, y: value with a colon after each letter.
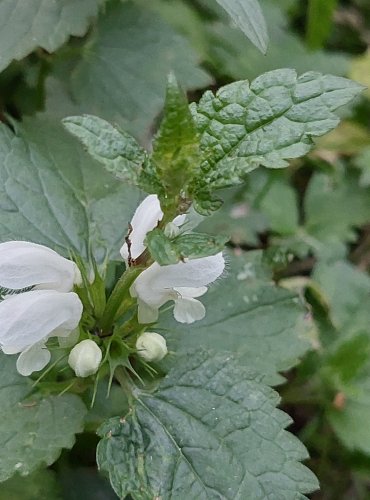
x: 248, y: 16
x: 266, y: 122
x: 210, y: 431
x: 265, y: 326
x: 24, y: 26
x: 53, y: 193
x: 122, y: 74
x: 33, y: 430
x: 41, y: 485
x: 232, y: 55
x: 347, y: 363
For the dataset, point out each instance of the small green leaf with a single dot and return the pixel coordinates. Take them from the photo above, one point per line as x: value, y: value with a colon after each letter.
x: 33, y: 430
x: 248, y: 16
x: 119, y: 152
x: 176, y: 154
x: 24, y: 26
x: 319, y: 22
x: 265, y: 123
x: 210, y: 431
x: 192, y: 246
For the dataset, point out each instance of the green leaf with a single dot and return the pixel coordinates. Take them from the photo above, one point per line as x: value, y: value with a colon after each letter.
x: 347, y: 291
x: 33, y: 430
x: 122, y: 73
x: 176, y: 153
x: 265, y: 326
x: 319, y: 22
x: 192, y: 246
x: 231, y: 55
x: 248, y: 16
x: 24, y: 26
x: 54, y: 194
x: 119, y: 152
x: 266, y: 122
x: 210, y: 431
x: 41, y: 485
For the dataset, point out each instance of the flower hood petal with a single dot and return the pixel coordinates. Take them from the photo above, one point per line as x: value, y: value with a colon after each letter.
x: 31, y: 317
x: 146, y: 218
x: 24, y: 264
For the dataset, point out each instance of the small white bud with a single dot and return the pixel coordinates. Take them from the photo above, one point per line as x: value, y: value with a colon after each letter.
x: 151, y: 346
x: 85, y: 358
x: 171, y: 230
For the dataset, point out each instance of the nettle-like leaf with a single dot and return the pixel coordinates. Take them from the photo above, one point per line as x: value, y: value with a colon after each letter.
x: 53, y: 193
x: 248, y: 16
x: 347, y: 361
x: 167, y: 251
x: 265, y: 326
x: 121, y: 75
x: 33, y: 429
x: 118, y: 151
x: 24, y: 26
x: 176, y: 153
x: 210, y: 431
x: 267, y: 122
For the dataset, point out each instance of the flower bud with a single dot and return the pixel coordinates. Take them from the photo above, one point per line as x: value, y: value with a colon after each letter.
x: 151, y: 346
x: 85, y: 358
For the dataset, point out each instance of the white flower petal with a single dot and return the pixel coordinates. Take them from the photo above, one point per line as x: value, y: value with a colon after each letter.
x: 33, y: 359
x: 179, y: 220
x: 85, y: 358
x: 144, y: 287
x: 24, y: 264
x: 188, y: 310
x: 146, y: 218
x: 31, y: 317
x: 187, y: 292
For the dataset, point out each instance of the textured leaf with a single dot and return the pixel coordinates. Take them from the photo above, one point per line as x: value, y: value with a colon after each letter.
x: 176, y: 153
x: 117, y: 151
x: 265, y: 326
x: 193, y: 246
x: 53, y: 193
x: 122, y: 75
x: 41, y: 485
x: 210, y: 431
x: 248, y: 16
x: 33, y: 430
x: 24, y: 26
x: 266, y: 122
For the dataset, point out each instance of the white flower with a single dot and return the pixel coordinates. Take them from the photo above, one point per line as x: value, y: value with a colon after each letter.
x: 24, y: 264
x: 180, y: 282
x: 29, y: 319
x: 146, y: 218
x: 151, y: 346
x: 85, y: 358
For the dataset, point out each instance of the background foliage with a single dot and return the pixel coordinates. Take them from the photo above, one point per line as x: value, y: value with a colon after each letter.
x: 305, y: 228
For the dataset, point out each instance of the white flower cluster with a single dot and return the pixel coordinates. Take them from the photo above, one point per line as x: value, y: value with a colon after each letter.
x: 50, y: 308
x: 28, y: 319
x: 181, y: 282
